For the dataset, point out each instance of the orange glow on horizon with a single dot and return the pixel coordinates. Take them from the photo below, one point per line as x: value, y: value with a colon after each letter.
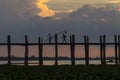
x: 114, y: 1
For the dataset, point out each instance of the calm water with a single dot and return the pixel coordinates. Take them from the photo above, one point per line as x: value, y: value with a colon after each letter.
x: 51, y: 62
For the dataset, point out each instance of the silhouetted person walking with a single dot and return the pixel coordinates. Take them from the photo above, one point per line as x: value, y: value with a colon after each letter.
x: 49, y: 38
x: 64, y: 38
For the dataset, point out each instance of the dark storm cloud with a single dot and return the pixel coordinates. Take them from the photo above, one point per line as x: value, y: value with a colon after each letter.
x: 13, y: 13
x: 19, y: 18
x: 92, y: 21
x: 16, y: 8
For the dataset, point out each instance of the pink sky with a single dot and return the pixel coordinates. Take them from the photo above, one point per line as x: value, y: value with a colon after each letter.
x: 63, y: 51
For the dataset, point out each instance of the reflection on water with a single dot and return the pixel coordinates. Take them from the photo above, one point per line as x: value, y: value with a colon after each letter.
x: 51, y: 62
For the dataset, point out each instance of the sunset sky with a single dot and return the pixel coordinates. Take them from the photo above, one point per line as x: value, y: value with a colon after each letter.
x: 41, y: 17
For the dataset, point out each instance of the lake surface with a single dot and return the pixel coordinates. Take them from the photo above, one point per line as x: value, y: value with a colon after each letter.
x: 52, y: 62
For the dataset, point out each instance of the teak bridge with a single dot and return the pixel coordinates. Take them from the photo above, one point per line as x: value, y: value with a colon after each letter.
x: 102, y: 45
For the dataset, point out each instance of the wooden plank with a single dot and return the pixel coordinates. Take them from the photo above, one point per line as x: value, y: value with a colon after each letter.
x: 9, y: 49
x: 72, y: 40
x: 86, y: 50
x: 40, y: 48
x: 87, y: 45
x: 119, y: 49
x: 101, y: 50
x: 56, y: 49
x: 115, y: 39
x: 26, y: 50
x: 104, y: 50
x: 32, y: 44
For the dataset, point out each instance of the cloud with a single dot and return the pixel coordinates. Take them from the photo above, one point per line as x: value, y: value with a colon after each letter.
x: 44, y: 10
x: 87, y: 20
x: 95, y: 21
x: 92, y: 21
x: 12, y: 10
x: 114, y: 1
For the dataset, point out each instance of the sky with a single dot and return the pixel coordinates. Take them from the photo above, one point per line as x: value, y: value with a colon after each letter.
x: 40, y: 17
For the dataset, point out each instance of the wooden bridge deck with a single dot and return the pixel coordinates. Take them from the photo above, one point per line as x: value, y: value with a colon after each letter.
x: 22, y: 44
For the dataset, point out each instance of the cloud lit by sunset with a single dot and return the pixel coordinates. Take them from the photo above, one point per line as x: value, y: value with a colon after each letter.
x: 44, y: 10
x: 114, y: 1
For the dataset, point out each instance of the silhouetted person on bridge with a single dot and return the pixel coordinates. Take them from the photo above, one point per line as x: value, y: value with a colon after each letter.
x: 49, y: 38
x: 64, y: 38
